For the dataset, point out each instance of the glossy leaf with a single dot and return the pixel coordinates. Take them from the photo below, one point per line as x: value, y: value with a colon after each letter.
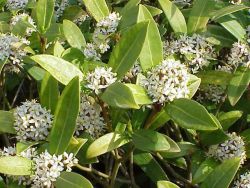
x: 150, y: 166
x: 128, y: 49
x: 72, y: 180
x: 215, y: 77
x: 174, y: 16
x: 7, y: 122
x: 152, y: 51
x: 229, y: 118
x: 73, y: 35
x: 199, y: 15
x: 190, y: 115
x: 222, y: 175
x: 64, y: 123
x: 148, y: 140
x: 160, y: 119
x: 204, y: 170
x: 232, y: 26
x: 125, y: 96
x: 49, y: 92
x: 227, y: 10
x: 44, y: 14
x: 14, y: 165
x: 97, y: 8
x: 166, y: 184
x: 75, y: 145
x: 193, y: 85
x: 54, y: 66
x: 106, y: 143
x: 238, y: 85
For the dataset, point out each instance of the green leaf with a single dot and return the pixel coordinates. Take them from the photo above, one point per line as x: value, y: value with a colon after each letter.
x: 204, y: 170
x: 150, y: 166
x: 215, y: 77
x: 58, y: 49
x: 75, y: 145
x: 222, y: 175
x: 7, y: 122
x: 233, y: 26
x: 238, y: 85
x: 199, y: 15
x: 148, y: 140
x: 229, y: 118
x: 160, y: 119
x: 15, y: 165
x: 2, y: 63
x: 36, y: 72
x: 152, y: 51
x: 193, y: 85
x: 97, y: 8
x: 213, y: 137
x: 65, y: 118
x: 106, y: 143
x: 125, y: 96
x: 49, y: 92
x: 128, y: 49
x: 73, y: 35
x: 54, y: 66
x: 190, y: 114
x: 72, y: 180
x: 223, y: 37
x: 174, y: 16
x: 153, y: 10
x: 44, y: 13
x: 186, y: 148
x: 227, y: 10
x: 73, y: 12
x: 166, y: 184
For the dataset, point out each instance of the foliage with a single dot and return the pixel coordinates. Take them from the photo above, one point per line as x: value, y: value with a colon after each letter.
x: 124, y: 93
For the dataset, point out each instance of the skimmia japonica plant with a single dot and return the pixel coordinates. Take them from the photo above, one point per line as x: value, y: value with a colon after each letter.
x: 124, y: 93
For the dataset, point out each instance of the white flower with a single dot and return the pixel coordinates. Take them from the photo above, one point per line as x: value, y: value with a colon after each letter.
x: 79, y: 20
x: 60, y: 6
x: 167, y: 81
x: 243, y: 181
x: 233, y: 147
x: 16, y: 4
x: 235, y: 2
x: 49, y: 167
x: 195, y: 50
x: 32, y: 122
x: 100, y: 79
x: 89, y: 118
x: 108, y: 25
x: 25, y: 17
x: 10, y: 47
x: 90, y: 52
x: 239, y: 55
x: 134, y: 71
x: 213, y: 93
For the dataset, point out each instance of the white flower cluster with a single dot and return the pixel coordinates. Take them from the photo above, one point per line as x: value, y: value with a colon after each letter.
x: 243, y: 181
x: 239, y: 55
x: 235, y: 2
x: 167, y: 81
x: 100, y: 78
x: 16, y: 4
x: 195, y: 51
x: 32, y: 121
x: 48, y: 168
x: 79, y: 20
x: 10, y: 47
x: 233, y: 147
x: 30, y: 153
x: 213, y: 93
x: 101, y: 37
x: 60, y: 6
x: 90, y: 119
x: 25, y: 17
